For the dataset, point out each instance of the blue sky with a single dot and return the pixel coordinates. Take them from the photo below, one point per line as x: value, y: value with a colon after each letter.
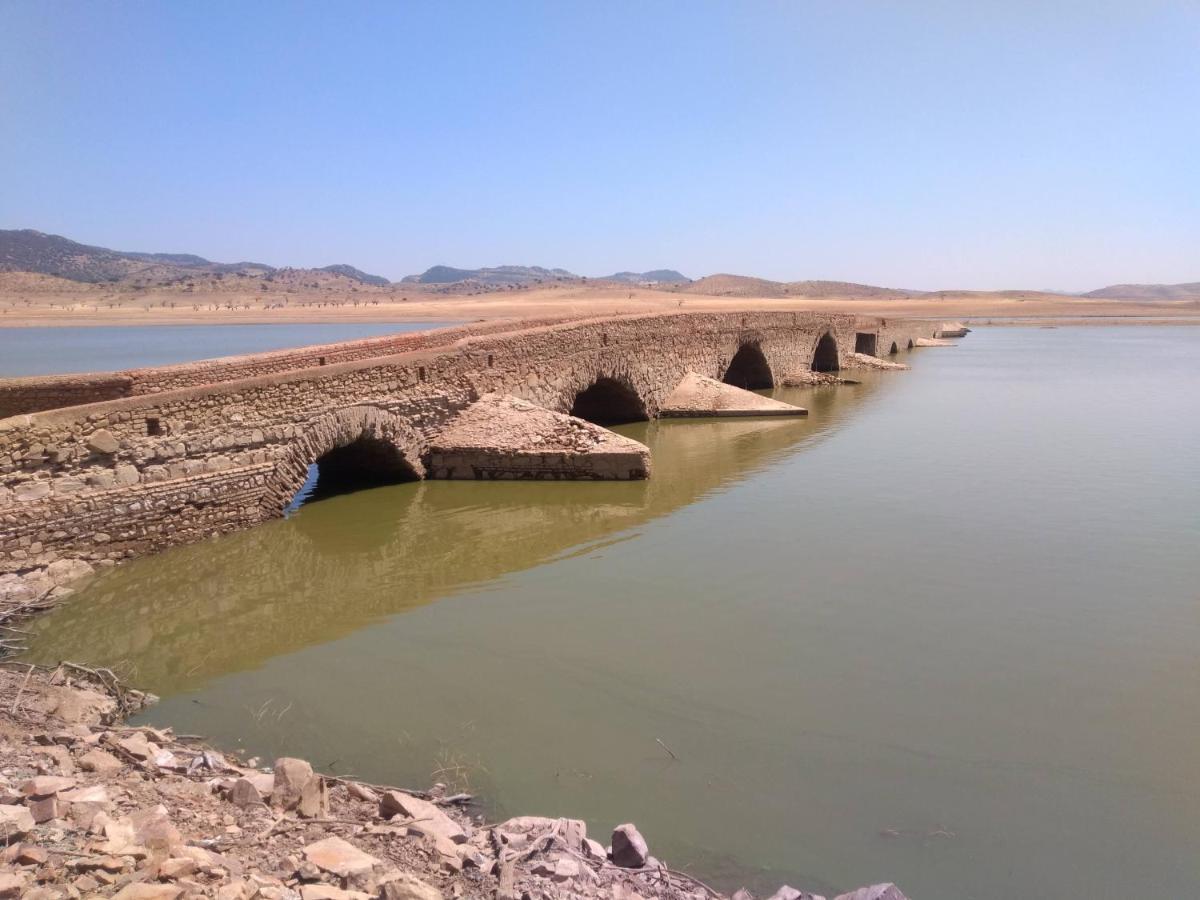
x: 919, y: 144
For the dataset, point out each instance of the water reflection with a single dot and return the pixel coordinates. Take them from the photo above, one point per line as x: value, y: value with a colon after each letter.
x: 180, y: 618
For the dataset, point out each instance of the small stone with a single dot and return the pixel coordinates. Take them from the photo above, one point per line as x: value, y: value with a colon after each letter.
x: 629, y: 850
x: 594, y: 850
x: 339, y: 857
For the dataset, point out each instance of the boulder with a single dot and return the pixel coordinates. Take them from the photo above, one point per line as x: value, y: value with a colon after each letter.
x: 629, y: 850
x: 99, y: 761
x: 339, y: 857
x: 887, y: 891
x: 15, y: 822
x: 421, y: 815
x: 297, y: 787
x: 12, y: 884
x: 143, y: 891
x: 65, y: 571
x: 46, y: 785
x: 43, y: 809
x: 327, y: 892
x: 244, y: 794
x: 408, y: 887
x: 787, y: 892
x: 102, y: 441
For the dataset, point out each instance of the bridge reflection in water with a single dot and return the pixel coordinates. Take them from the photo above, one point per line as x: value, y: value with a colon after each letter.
x: 196, y: 612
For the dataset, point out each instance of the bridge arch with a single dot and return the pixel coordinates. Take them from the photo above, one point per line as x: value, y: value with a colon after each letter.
x: 609, y: 400
x: 353, y: 448
x: 749, y: 369
x: 825, y: 354
x: 894, y: 350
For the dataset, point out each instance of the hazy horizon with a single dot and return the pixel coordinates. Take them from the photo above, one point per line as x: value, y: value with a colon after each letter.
x: 935, y: 146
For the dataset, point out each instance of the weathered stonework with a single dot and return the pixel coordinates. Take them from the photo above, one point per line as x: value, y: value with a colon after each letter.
x: 704, y: 397
x: 505, y: 438
x: 114, y: 479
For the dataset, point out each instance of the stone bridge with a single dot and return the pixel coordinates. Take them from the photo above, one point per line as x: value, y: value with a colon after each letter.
x: 99, y: 468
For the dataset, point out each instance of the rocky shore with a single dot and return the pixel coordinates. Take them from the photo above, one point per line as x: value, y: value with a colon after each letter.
x: 91, y: 807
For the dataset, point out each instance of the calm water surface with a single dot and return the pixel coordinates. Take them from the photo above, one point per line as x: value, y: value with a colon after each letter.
x: 945, y: 632
x: 51, y: 351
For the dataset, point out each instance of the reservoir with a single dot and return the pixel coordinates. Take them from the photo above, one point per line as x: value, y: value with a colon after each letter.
x: 944, y: 632
x: 68, y: 349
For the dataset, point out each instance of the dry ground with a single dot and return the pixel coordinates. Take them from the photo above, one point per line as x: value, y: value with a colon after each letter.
x: 39, y: 300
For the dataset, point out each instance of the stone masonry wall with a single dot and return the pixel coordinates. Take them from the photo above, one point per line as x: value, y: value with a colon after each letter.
x: 116, y: 479
x: 36, y: 393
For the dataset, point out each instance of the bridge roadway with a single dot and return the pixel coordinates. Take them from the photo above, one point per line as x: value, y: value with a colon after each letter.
x: 172, y: 455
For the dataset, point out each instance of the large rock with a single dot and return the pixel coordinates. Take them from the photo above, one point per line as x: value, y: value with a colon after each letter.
x: 46, y: 785
x: 421, y: 815
x: 65, y: 571
x: 886, y: 891
x: 408, y: 887
x: 629, y: 848
x: 339, y: 857
x: 144, y: 891
x: 297, y: 788
x: 102, y: 441
x: 15, y: 821
x: 787, y: 892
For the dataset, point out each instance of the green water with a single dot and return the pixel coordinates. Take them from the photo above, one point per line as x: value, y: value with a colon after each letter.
x: 945, y: 632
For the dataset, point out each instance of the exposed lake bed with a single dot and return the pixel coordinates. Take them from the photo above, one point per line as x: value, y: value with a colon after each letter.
x: 920, y: 636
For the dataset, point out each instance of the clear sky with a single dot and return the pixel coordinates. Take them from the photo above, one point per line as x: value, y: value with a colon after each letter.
x: 966, y: 143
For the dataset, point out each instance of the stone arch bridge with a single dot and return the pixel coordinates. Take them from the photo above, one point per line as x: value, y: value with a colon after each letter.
x: 98, y: 468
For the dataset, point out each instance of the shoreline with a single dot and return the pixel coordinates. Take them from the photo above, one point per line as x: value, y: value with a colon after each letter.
x: 94, y: 807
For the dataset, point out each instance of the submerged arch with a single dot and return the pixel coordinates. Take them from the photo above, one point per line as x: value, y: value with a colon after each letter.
x: 825, y: 354
x: 609, y: 401
x: 749, y: 369
x: 349, y: 450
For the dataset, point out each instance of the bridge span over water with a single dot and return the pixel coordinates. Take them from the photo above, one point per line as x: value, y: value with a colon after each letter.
x: 103, y: 467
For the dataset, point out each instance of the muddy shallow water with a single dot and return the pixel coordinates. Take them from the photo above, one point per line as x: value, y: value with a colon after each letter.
x: 945, y: 632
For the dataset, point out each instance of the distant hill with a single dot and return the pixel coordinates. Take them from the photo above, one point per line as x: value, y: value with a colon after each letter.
x: 655, y: 276
x: 27, y: 250
x: 1187, y: 291
x: 724, y: 285
x: 496, y: 276
x: 356, y: 274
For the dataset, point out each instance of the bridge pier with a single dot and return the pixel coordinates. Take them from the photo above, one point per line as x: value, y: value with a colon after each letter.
x: 698, y: 396
x: 505, y: 438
